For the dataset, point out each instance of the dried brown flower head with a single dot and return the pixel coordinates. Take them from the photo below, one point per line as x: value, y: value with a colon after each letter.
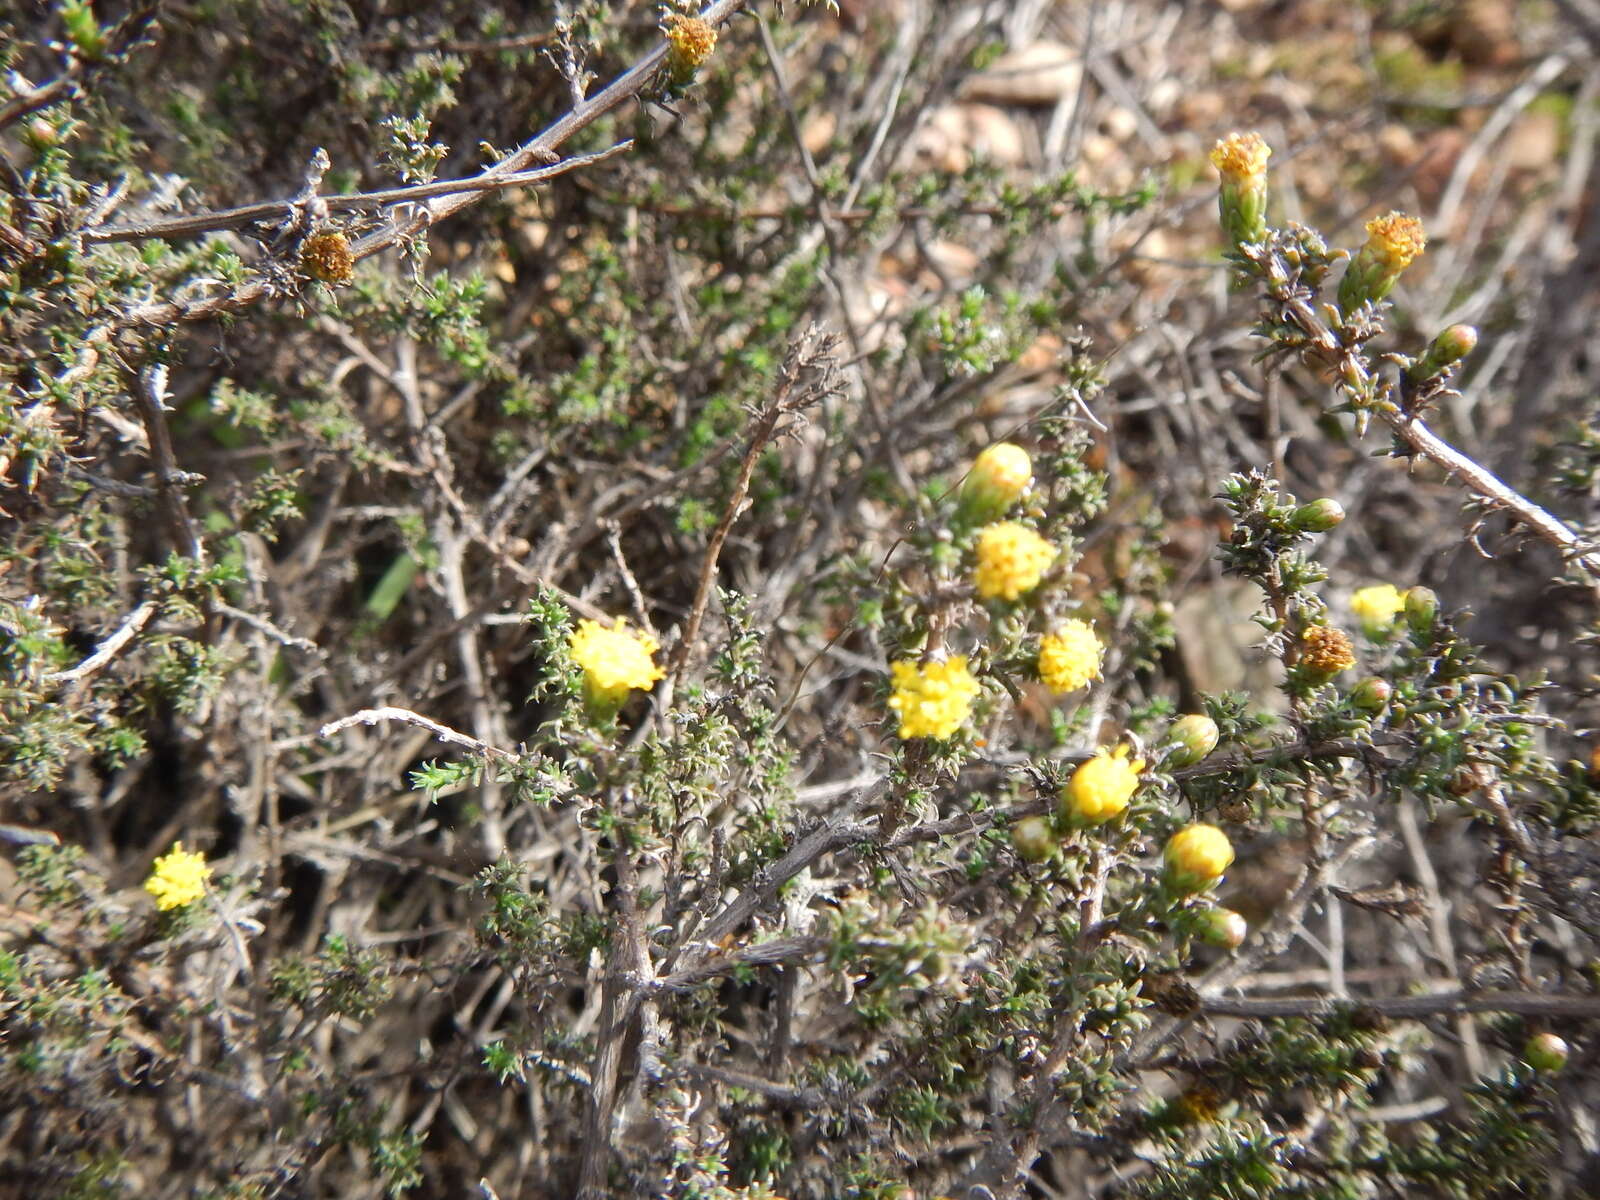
x: 326, y: 257
x: 1326, y: 650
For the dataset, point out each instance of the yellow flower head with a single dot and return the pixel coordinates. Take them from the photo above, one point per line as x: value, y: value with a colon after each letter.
x: 1326, y: 650
x: 1101, y: 788
x: 614, y: 661
x: 177, y: 878
x: 1395, y: 240
x: 932, y: 700
x: 1241, y: 156
x: 1011, y: 560
x: 1070, y: 657
x: 690, y: 42
x: 1377, y: 606
x: 1196, y: 856
x: 1242, y: 200
x: 999, y: 475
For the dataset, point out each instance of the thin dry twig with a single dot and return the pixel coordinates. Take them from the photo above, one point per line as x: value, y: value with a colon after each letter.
x: 148, y: 387
x: 1400, y: 1008
x: 1410, y: 429
x: 372, y: 716
x: 806, y: 377
x: 276, y: 210
x: 540, y: 149
x: 110, y: 647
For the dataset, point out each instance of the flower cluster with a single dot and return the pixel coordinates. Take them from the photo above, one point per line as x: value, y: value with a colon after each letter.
x: 178, y: 878
x: 1101, y: 788
x: 1241, y: 157
x: 614, y: 662
x: 933, y: 700
x: 1070, y: 657
x: 1011, y: 560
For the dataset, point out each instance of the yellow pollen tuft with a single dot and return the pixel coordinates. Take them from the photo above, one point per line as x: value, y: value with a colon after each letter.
x: 327, y: 257
x: 690, y: 42
x: 1327, y: 650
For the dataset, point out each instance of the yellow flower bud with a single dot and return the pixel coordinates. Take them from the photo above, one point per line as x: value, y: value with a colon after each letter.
x: 998, y: 477
x: 1101, y: 788
x: 1196, y: 857
x: 1376, y: 607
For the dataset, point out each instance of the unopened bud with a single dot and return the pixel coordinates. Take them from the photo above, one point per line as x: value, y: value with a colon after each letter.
x: 41, y: 133
x: 83, y: 30
x: 1449, y: 348
x: 1422, y: 606
x: 1196, y: 857
x: 1223, y: 927
x: 1371, y: 695
x: 1546, y: 1052
x: 998, y: 477
x: 1032, y: 839
x: 1190, y: 739
x: 1318, y: 517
